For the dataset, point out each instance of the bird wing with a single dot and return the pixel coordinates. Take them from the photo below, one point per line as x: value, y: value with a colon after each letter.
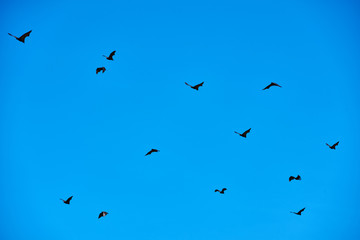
x: 98, y: 70
x: 22, y: 38
x: 275, y: 84
x: 223, y: 189
x: 291, y: 178
x: 112, y: 54
x: 188, y: 84
x: 69, y: 198
x: 336, y: 144
x: 237, y: 132
x: 199, y: 85
x: 301, y: 210
x: 247, y: 131
x: 298, y: 177
x: 217, y: 190
x: 100, y: 215
x: 267, y: 87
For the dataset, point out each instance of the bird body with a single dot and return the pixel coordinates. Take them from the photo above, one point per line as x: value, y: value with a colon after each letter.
x: 103, y: 214
x: 244, y: 133
x: 196, y: 87
x: 294, y: 178
x: 67, y: 201
x: 110, y: 57
x: 222, y: 190
x: 332, y: 146
x: 271, y: 84
x: 299, y: 212
x: 103, y: 69
x: 151, y: 151
x: 22, y: 38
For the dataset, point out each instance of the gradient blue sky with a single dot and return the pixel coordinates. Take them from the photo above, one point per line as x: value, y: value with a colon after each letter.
x: 67, y: 131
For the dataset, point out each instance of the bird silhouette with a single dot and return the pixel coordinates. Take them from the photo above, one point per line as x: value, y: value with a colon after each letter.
x: 103, y: 69
x: 151, y: 151
x: 196, y: 87
x: 299, y: 212
x: 67, y: 201
x: 296, y: 178
x: 222, y: 191
x: 244, y: 133
x: 271, y: 84
x: 103, y: 214
x: 110, y: 57
x: 333, y: 146
x: 22, y: 38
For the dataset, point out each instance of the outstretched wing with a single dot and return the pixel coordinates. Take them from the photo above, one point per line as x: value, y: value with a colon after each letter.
x: 217, y: 190
x: 112, y: 54
x: 198, y: 85
x: 68, y: 200
x: 267, y: 87
x: 223, y: 189
x: 246, y: 132
x: 335, y: 144
x: 22, y: 38
x: 301, y: 211
x: 291, y: 178
x: 298, y: 177
x: 188, y: 84
x: 327, y: 144
x: 237, y: 133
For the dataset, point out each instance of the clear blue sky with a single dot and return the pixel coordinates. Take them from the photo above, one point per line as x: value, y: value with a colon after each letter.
x: 67, y: 131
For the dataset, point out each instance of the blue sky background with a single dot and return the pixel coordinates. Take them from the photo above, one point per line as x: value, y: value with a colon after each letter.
x: 67, y: 131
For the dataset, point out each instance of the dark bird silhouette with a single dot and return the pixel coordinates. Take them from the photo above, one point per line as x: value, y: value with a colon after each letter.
x: 296, y: 178
x: 67, y: 201
x: 333, y: 146
x: 103, y: 214
x: 22, y: 38
x: 244, y: 133
x: 271, y: 84
x: 103, y: 69
x: 196, y: 87
x: 299, y: 212
x: 222, y: 191
x: 151, y: 151
x: 110, y: 57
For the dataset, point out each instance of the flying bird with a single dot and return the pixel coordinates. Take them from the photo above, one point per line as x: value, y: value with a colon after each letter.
x: 296, y: 178
x: 67, y: 201
x: 151, y: 151
x: 103, y: 214
x: 271, y: 84
x: 333, y: 146
x: 244, y: 133
x: 222, y: 191
x: 103, y: 69
x: 22, y: 38
x: 299, y: 212
x: 196, y: 87
x: 110, y: 57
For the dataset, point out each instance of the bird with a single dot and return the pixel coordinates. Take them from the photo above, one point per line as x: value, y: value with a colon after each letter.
x: 222, y: 191
x: 151, y: 151
x: 244, y: 133
x: 333, y: 146
x: 103, y: 214
x: 271, y: 84
x: 296, y: 178
x: 110, y: 57
x: 196, y: 87
x: 22, y: 38
x: 103, y: 69
x: 299, y: 212
x: 67, y: 201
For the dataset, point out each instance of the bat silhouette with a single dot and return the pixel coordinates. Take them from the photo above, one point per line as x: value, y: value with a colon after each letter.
x: 222, y: 191
x: 296, y: 178
x: 271, y: 84
x: 333, y: 146
x: 103, y: 69
x: 151, y: 151
x: 110, y: 57
x: 244, y: 133
x: 196, y: 87
x: 299, y: 212
x: 103, y: 214
x: 22, y: 38
x: 67, y: 201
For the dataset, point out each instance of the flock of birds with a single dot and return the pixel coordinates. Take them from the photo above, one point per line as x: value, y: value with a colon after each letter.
x: 196, y: 87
